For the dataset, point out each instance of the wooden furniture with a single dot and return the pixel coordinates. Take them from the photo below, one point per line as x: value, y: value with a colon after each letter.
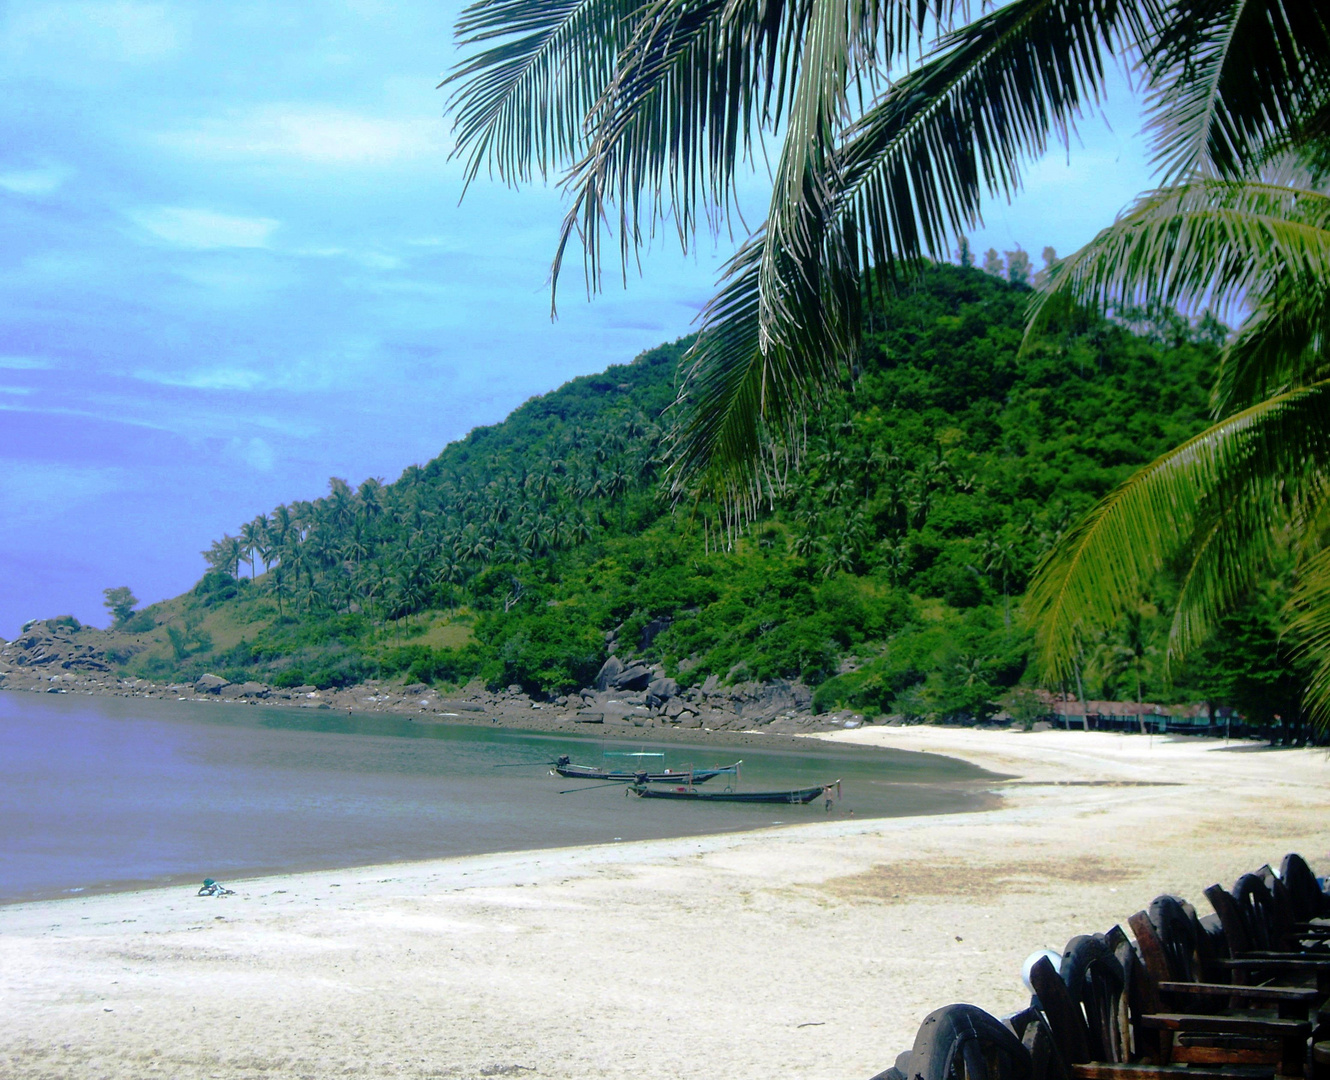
x: 1088, y: 1011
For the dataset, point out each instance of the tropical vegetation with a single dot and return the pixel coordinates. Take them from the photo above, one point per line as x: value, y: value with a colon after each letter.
x: 888, y: 573
x: 891, y: 121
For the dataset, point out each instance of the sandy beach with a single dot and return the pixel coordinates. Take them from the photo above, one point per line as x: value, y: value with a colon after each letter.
x: 810, y: 951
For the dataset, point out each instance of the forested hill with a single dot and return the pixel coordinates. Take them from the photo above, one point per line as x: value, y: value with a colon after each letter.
x: 888, y: 574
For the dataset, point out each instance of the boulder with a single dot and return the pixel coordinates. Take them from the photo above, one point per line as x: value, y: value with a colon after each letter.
x: 711, y: 684
x: 210, y: 684
x: 253, y: 690
x: 660, y: 690
x: 636, y: 677
x: 609, y: 673
x: 653, y: 630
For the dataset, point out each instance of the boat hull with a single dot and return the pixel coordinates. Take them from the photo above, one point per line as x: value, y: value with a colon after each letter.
x: 590, y: 772
x: 799, y: 795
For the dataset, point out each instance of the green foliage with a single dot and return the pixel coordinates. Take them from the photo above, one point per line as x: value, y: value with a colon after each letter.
x: 887, y: 572
x: 420, y: 663
x: 121, y: 603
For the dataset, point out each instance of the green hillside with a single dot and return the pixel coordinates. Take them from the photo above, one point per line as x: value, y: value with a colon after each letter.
x: 887, y: 573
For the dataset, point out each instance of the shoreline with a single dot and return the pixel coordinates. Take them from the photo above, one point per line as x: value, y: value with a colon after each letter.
x: 812, y: 950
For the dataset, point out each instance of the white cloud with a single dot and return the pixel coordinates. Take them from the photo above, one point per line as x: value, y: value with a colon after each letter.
x: 21, y: 390
x: 123, y: 32
x: 204, y: 229
x: 257, y: 454
x: 212, y: 379
x: 34, y: 181
x: 323, y: 135
x: 24, y: 363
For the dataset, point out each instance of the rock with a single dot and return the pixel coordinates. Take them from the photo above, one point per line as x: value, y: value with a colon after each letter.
x: 711, y: 684
x: 609, y: 673
x: 653, y: 630
x: 1041, y: 725
x: 660, y: 690
x: 636, y: 677
x: 589, y: 718
x: 253, y: 690
x: 674, y: 707
x: 210, y: 684
x: 852, y: 723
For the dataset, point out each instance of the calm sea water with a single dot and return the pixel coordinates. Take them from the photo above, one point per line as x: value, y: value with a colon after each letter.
x: 107, y: 793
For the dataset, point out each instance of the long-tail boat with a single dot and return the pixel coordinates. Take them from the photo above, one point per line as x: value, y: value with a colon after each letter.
x: 564, y: 767
x: 798, y: 795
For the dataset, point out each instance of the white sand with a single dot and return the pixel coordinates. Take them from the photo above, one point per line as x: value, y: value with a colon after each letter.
x: 805, y: 952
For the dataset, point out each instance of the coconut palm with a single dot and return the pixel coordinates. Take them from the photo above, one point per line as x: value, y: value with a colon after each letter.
x: 890, y: 121
x: 1253, y: 484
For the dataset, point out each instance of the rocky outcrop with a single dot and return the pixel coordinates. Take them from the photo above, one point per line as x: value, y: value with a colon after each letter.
x: 56, y: 644
x: 59, y: 656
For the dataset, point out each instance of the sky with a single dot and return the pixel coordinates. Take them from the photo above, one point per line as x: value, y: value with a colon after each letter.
x: 235, y: 265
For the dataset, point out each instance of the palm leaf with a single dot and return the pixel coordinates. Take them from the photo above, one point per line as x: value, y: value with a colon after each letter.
x: 1228, y: 78
x: 1277, y: 451
x: 519, y: 104
x: 909, y: 175
x: 698, y: 85
x: 1207, y: 243
x: 1310, y: 630
x: 742, y: 405
x: 964, y: 123
x: 1284, y: 343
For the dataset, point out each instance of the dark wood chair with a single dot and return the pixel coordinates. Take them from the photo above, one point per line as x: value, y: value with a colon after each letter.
x: 1088, y: 1009
x: 962, y: 1042
x: 1171, y: 944
x: 1247, y: 939
x: 1306, y: 899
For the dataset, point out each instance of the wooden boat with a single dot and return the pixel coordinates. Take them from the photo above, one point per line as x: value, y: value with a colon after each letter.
x: 565, y: 767
x: 799, y: 795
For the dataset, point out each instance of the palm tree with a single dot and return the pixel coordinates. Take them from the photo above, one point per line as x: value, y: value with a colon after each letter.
x: 1255, y: 482
x: 1002, y: 560
x: 893, y: 119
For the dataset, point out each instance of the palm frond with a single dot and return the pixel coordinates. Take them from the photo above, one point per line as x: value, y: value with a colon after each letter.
x: 1309, y: 629
x: 741, y: 404
x: 698, y: 84
x: 1284, y: 343
x: 679, y: 115
x: 1210, y: 243
x: 1235, y: 536
x: 965, y: 122
x: 1277, y: 451
x: 908, y: 176
x: 1229, y: 78
x: 518, y: 104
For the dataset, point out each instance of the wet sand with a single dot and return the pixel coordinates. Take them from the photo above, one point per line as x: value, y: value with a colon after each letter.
x: 811, y: 951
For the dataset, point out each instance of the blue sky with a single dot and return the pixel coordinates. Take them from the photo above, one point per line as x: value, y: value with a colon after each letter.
x: 235, y: 265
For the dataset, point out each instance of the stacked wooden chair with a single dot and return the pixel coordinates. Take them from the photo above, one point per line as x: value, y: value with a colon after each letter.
x: 1231, y: 996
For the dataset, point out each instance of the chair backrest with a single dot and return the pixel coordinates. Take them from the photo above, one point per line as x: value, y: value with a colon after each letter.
x: 1175, y: 922
x: 1306, y: 901
x: 1283, y: 909
x: 1097, y: 984
x: 962, y: 1042
x: 1231, y: 919
x: 1066, y: 1021
x: 1257, y: 907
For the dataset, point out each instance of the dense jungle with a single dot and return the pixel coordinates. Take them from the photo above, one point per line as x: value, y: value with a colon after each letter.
x: 885, y: 567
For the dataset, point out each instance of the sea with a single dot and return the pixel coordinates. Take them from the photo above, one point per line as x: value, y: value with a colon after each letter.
x: 104, y: 794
